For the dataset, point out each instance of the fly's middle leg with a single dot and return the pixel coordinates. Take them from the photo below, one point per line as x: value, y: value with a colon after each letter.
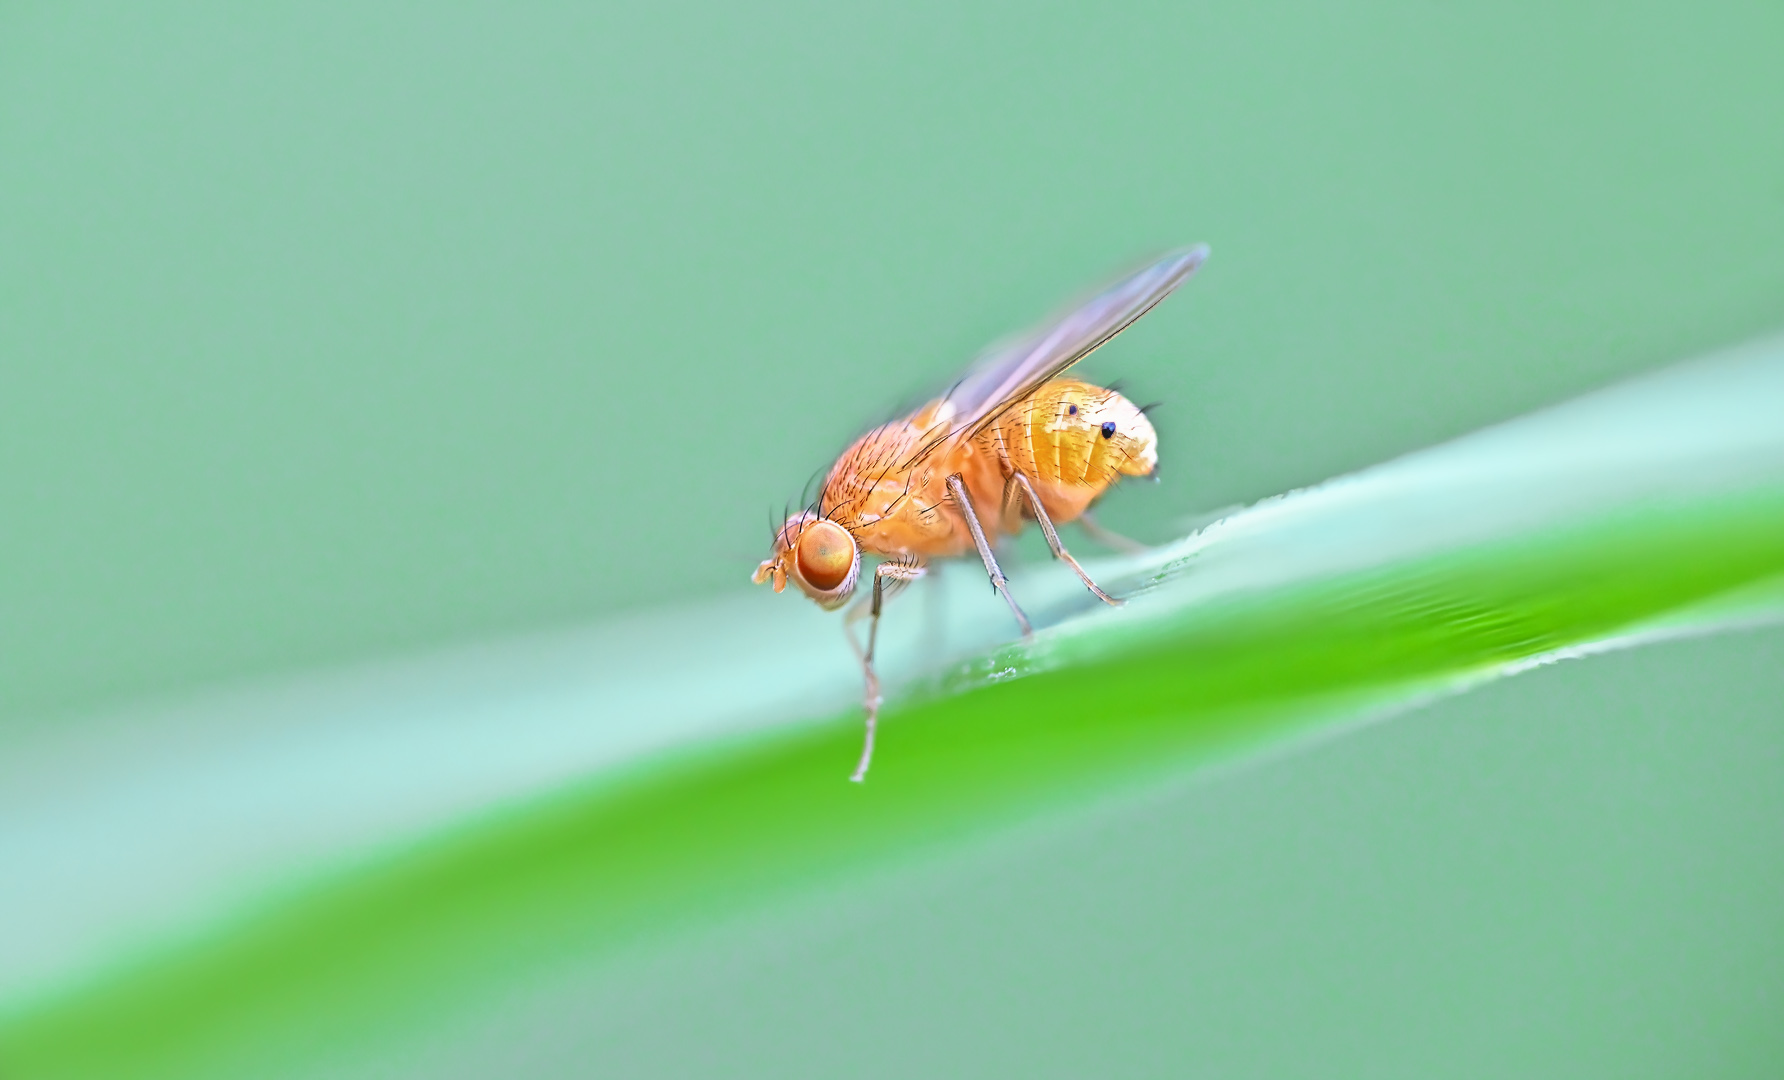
x: 957, y: 488
x: 1020, y: 482
x: 897, y: 574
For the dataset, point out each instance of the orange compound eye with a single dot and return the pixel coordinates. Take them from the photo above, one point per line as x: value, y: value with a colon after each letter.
x: 826, y: 554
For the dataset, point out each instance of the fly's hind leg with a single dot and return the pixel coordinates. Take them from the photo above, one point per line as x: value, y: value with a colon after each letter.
x: 897, y: 574
x: 1017, y: 480
x: 1109, y: 538
x: 958, y: 489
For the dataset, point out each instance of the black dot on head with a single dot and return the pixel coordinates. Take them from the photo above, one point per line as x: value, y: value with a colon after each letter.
x: 1108, y: 429
x: 1071, y: 410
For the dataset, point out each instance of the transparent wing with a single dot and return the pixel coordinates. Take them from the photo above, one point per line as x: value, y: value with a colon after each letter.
x: 1010, y: 371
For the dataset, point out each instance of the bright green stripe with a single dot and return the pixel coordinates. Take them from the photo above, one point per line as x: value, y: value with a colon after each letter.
x: 426, y: 933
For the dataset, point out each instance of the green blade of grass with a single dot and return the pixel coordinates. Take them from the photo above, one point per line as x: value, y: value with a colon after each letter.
x: 1233, y: 646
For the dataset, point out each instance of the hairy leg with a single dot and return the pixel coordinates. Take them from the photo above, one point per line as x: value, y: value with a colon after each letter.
x: 897, y: 573
x: 958, y: 489
x: 1059, y: 552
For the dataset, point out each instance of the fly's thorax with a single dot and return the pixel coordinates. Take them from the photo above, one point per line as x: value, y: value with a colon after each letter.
x: 886, y: 489
x: 873, y: 471
x: 1072, y: 433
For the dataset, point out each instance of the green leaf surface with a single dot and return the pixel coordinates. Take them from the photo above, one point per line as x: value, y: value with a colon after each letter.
x: 1659, y: 511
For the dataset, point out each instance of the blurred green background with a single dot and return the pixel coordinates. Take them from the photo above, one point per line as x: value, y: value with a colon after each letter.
x: 331, y: 331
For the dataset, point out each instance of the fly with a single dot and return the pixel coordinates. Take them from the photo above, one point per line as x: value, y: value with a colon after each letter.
x: 1014, y: 440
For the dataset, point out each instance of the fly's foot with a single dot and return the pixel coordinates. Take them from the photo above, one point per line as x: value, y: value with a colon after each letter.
x: 873, y: 715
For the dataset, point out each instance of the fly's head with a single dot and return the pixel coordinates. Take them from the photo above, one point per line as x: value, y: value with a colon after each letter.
x: 816, y: 554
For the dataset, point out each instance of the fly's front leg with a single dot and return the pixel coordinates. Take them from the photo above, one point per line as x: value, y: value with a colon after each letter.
x: 1052, y: 535
x: 898, y: 574
x: 958, y: 489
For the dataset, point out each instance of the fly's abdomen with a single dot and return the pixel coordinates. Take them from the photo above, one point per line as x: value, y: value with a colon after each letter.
x: 1072, y: 440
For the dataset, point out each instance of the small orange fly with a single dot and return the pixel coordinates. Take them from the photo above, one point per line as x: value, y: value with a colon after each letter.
x: 1011, y: 440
